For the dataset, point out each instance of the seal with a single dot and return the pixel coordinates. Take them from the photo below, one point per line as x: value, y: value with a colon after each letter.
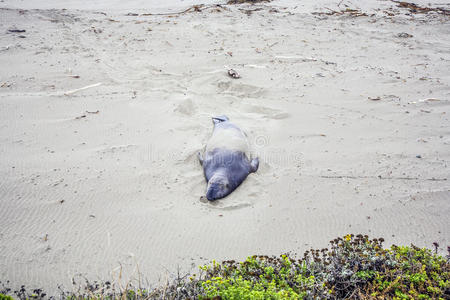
x: 226, y: 161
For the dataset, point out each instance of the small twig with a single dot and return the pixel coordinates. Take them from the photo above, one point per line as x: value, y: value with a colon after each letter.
x: 165, y: 288
x: 420, y: 9
x: 83, y: 88
x: 175, y: 13
x: 333, y: 11
x: 198, y: 8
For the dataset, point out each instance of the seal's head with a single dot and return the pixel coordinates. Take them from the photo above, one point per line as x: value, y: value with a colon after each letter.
x: 218, y: 187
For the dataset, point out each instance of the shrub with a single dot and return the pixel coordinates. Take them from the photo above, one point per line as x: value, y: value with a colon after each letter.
x: 352, y: 267
x: 5, y: 297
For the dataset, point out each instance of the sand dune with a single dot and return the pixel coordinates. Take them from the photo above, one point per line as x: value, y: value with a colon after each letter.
x: 349, y: 119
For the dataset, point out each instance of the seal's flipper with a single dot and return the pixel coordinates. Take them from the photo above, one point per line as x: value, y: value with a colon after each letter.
x: 200, y: 158
x: 254, y: 164
x: 219, y: 119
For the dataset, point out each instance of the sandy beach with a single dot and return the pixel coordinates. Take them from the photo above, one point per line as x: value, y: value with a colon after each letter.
x: 103, y: 109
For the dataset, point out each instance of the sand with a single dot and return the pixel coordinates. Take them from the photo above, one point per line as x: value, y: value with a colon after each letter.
x: 349, y: 119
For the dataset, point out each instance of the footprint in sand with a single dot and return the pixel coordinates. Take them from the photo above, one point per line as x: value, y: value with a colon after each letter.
x: 186, y: 107
x: 239, y: 89
x: 265, y: 112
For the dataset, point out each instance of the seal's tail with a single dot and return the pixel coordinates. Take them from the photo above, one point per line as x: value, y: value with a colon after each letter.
x: 220, y: 119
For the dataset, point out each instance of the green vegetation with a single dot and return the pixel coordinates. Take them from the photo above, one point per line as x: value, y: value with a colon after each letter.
x: 353, y: 267
x: 5, y: 297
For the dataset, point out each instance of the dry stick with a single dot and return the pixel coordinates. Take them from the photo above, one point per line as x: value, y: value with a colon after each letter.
x: 165, y: 288
x: 124, y: 294
x: 139, y: 274
x: 120, y: 279
x: 333, y: 11
x: 83, y: 88
x: 195, y: 8
x: 168, y: 14
x: 415, y: 8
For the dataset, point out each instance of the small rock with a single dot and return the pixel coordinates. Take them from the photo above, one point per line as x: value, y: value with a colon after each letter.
x: 374, y: 99
x: 233, y: 74
x: 404, y: 35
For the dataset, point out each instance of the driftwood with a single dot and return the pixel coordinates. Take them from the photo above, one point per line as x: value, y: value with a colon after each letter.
x: 347, y: 11
x: 414, y: 8
x: 194, y: 8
